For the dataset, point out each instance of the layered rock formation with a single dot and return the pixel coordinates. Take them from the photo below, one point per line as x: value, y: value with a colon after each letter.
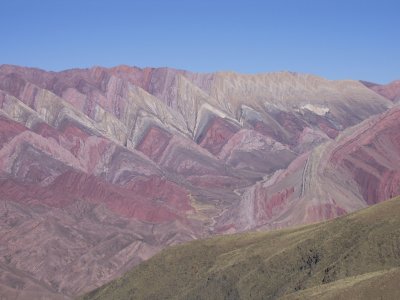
x: 101, y: 168
x: 360, y: 168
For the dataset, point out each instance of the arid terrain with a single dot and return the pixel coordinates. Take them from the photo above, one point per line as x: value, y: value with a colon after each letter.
x: 102, y: 168
x: 351, y: 257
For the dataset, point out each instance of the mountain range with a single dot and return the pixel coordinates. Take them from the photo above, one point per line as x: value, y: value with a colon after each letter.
x: 102, y: 168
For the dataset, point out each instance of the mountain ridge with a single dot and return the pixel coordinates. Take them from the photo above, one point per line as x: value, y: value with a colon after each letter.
x: 176, y: 155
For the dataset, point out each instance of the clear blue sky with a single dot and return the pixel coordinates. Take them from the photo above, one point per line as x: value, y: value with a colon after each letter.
x: 337, y: 39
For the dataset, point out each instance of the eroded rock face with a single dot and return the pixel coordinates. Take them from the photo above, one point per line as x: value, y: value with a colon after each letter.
x: 372, y: 158
x: 101, y: 168
x: 358, y: 169
x: 154, y: 143
x: 215, y: 136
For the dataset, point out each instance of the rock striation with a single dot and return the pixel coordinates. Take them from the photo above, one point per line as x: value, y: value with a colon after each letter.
x: 101, y: 168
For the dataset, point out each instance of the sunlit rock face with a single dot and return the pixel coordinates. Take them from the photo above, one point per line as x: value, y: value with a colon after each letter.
x: 101, y: 168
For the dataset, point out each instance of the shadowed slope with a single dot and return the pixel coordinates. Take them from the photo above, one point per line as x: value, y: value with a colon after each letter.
x: 270, y: 265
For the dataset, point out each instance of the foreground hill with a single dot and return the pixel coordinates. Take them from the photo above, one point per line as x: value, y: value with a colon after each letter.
x: 352, y: 257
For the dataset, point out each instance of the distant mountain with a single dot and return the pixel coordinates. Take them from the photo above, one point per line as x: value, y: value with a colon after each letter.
x: 101, y: 168
x: 352, y: 257
x: 390, y: 91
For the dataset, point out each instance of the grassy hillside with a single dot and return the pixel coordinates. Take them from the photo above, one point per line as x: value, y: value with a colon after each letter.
x: 353, y: 256
x: 368, y: 286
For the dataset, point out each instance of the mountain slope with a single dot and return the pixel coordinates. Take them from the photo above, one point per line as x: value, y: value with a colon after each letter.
x: 295, y: 262
x: 374, y: 285
x: 390, y: 91
x: 114, y: 164
x: 359, y: 168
